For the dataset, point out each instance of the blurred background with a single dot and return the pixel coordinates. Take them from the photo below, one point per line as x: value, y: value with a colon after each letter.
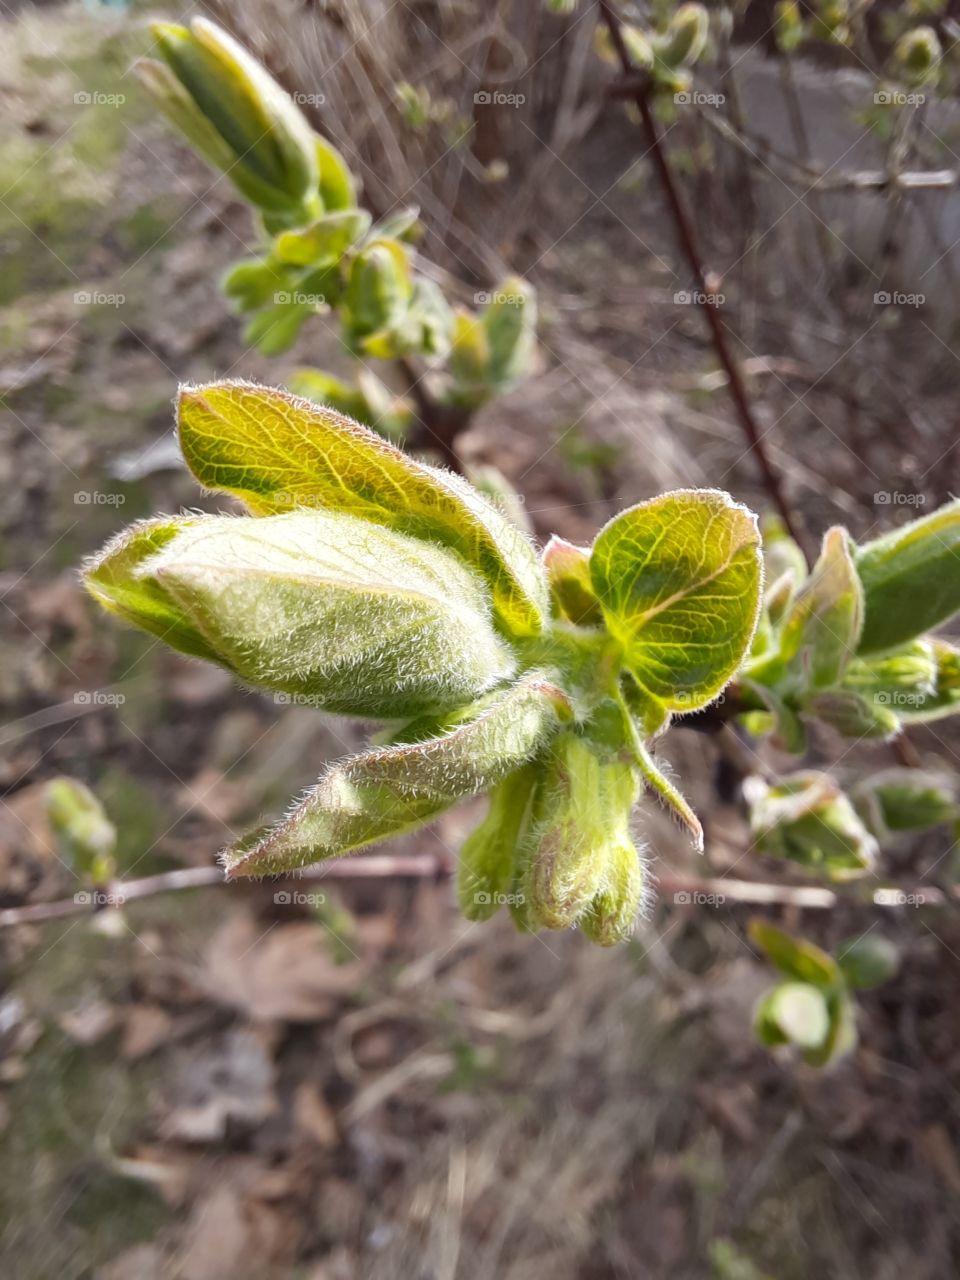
x: 353, y: 1081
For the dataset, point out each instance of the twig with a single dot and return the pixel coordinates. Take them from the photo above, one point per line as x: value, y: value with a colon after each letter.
x: 685, y: 235
x: 694, y: 890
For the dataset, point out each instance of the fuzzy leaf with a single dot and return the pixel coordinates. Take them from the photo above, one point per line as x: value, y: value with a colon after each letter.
x: 678, y: 579
x: 382, y: 792
x: 274, y: 450
x: 568, y: 571
x: 358, y: 620
x: 911, y: 579
x: 823, y: 626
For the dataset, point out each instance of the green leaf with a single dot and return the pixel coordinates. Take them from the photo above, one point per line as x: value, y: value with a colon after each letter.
x: 509, y: 322
x: 485, y: 867
x: 272, y: 450
x: 807, y: 819
x: 822, y: 628
x: 793, y: 1013
x: 379, y: 290
x: 678, y: 579
x: 337, y: 188
x: 868, y: 960
x: 901, y: 680
x: 324, y: 241
x: 354, y: 619
x: 275, y: 329
x: 382, y: 792
x: 798, y: 958
x: 911, y: 579
x: 944, y: 699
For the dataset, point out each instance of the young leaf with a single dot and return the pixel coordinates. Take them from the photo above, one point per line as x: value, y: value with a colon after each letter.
x: 611, y: 916
x: 796, y: 957
x: 273, y: 450
x: 382, y: 792
x: 337, y: 188
x: 852, y: 715
x: 324, y: 241
x: 907, y: 800
x: 823, y: 626
x: 808, y: 819
x: 356, y: 619
x: 678, y: 579
x: 944, y: 698
x: 911, y: 579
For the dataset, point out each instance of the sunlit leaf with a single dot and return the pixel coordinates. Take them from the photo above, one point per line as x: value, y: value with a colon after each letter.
x: 678, y: 579
x: 274, y: 450
x: 823, y: 627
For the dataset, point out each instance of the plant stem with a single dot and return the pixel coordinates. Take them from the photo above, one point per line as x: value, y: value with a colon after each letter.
x: 687, y: 241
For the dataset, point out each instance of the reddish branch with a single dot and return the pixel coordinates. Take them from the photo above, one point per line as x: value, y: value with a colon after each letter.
x: 640, y: 93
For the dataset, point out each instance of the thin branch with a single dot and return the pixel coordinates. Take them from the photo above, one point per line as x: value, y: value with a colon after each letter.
x: 640, y: 95
x: 684, y: 890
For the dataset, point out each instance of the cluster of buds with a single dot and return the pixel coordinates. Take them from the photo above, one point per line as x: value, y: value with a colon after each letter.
x: 368, y: 584
x: 666, y: 54
x: 322, y: 252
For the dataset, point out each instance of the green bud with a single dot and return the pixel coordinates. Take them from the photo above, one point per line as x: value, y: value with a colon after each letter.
x: 379, y: 289
x: 808, y: 819
x: 685, y: 37
x: 568, y: 572
x: 509, y: 321
x: 611, y: 916
x: 788, y: 25
x: 898, y: 680
x: 907, y: 800
x: 351, y: 617
x: 382, y: 792
x: 489, y: 854
x: 337, y: 188
x: 86, y: 836
x: 570, y: 845
x: 853, y: 715
x: 868, y: 961
x: 917, y: 55
x: 822, y: 629
x: 255, y: 283
x: 792, y: 1013
x: 636, y: 41
x: 469, y: 359
x: 235, y: 113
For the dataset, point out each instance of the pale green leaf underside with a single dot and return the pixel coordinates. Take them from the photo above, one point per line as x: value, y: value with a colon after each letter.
x: 278, y: 452
x: 358, y: 620
x: 382, y: 792
x: 678, y: 579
